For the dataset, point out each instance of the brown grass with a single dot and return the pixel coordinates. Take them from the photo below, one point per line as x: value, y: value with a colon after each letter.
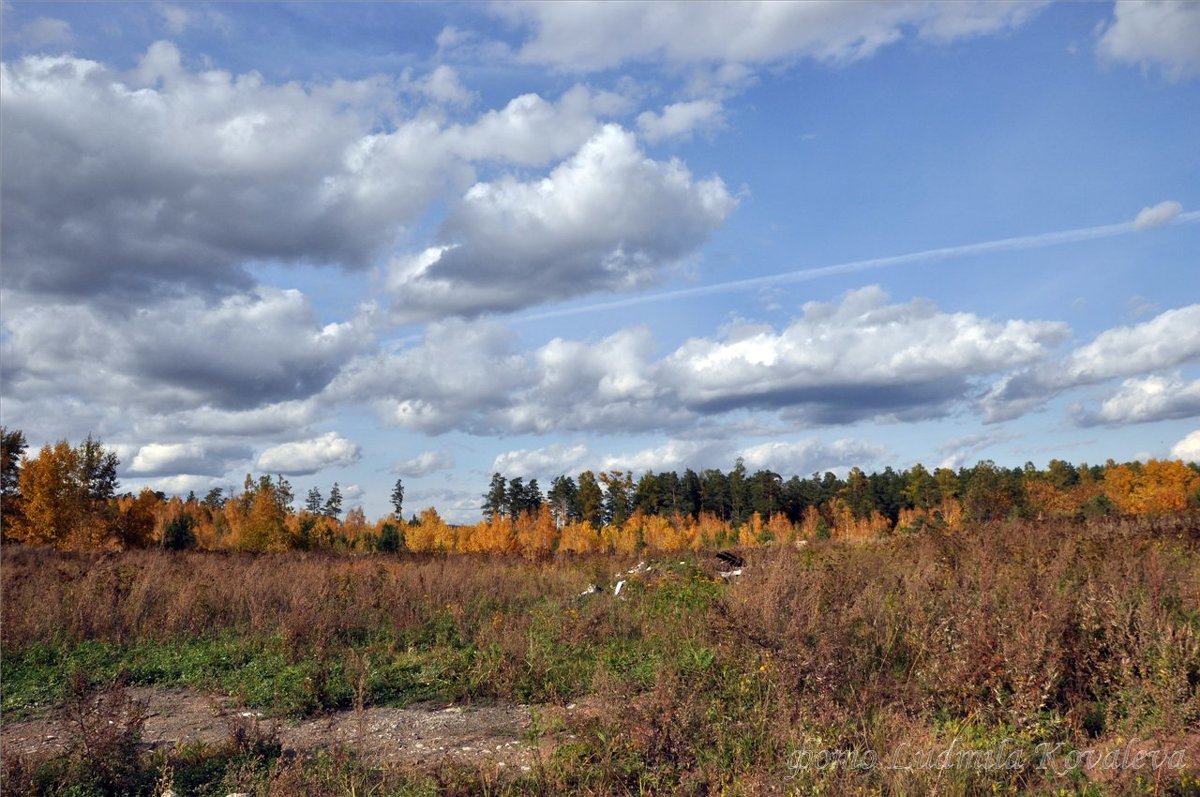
x: 1023, y: 634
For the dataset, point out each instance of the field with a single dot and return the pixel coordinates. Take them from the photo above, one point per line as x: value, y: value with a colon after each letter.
x: 1012, y: 657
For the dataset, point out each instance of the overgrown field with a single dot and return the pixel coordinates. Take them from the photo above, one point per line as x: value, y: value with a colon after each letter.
x: 1010, y: 657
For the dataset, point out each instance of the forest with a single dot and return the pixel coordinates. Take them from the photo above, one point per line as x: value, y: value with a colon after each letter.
x: 68, y: 496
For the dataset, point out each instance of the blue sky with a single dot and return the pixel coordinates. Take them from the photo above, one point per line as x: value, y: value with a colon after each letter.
x: 431, y: 241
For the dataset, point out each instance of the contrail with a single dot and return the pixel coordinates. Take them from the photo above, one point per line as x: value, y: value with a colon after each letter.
x: 924, y: 256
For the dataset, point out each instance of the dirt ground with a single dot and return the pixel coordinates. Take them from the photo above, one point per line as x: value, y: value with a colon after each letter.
x: 422, y: 736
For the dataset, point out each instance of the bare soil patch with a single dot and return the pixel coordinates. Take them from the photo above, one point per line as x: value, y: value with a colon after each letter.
x: 424, y: 736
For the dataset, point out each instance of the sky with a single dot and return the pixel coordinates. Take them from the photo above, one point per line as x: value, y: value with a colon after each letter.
x: 361, y: 242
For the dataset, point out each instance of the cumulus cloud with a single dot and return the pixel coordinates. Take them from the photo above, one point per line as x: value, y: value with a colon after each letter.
x: 533, y: 131
x: 1142, y: 400
x: 192, y: 458
x: 182, y: 484
x: 608, y: 218
x: 129, y: 183
x: 1157, y: 215
x: 679, y: 120
x: 546, y: 462
x: 458, y: 377
x: 162, y: 179
x: 1154, y: 33
x: 271, y: 419
x: 600, y: 35
x: 1166, y: 341
x: 442, y: 85
x: 858, y: 358
x: 425, y: 463
x: 1188, y: 449
x: 303, y: 457
x: 239, y: 353
x: 854, y: 359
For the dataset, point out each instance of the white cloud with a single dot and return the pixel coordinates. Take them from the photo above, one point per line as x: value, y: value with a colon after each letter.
x: 425, y: 463
x: 456, y: 378
x: 442, y: 85
x: 857, y: 358
x: 679, y: 120
x: 532, y: 131
x: 1188, y: 449
x: 608, y: 218
x: 801, y: 457
x: 182, y: 484
x: 599, y: 35
x: 129, y: 183
x: 1168, y: 340
x: 271, y: 419
x: 547, y: 462
x: 1162, y: 33
x: 794, y: 457
x: 1141, y: 400
x: 309, y: 456
x: 179, y: 355
x: 1158, y: 215
x: 193, y: 458
x: 165, y: 179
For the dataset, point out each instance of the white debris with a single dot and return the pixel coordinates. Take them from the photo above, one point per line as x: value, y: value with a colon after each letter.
x: 729, y: 573
x: 617, y: 588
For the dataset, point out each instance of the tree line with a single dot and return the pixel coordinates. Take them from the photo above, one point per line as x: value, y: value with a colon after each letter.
x: 67, y: 496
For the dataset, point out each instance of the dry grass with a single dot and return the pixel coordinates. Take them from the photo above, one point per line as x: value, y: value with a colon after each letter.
x: 1043, y: 639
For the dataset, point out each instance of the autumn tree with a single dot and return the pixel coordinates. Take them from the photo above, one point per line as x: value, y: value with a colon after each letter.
x: 65, y: 493
x: 137, y: 518
x: 260, y: 519
x: 1154, y: 488
x: 52, y: 495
